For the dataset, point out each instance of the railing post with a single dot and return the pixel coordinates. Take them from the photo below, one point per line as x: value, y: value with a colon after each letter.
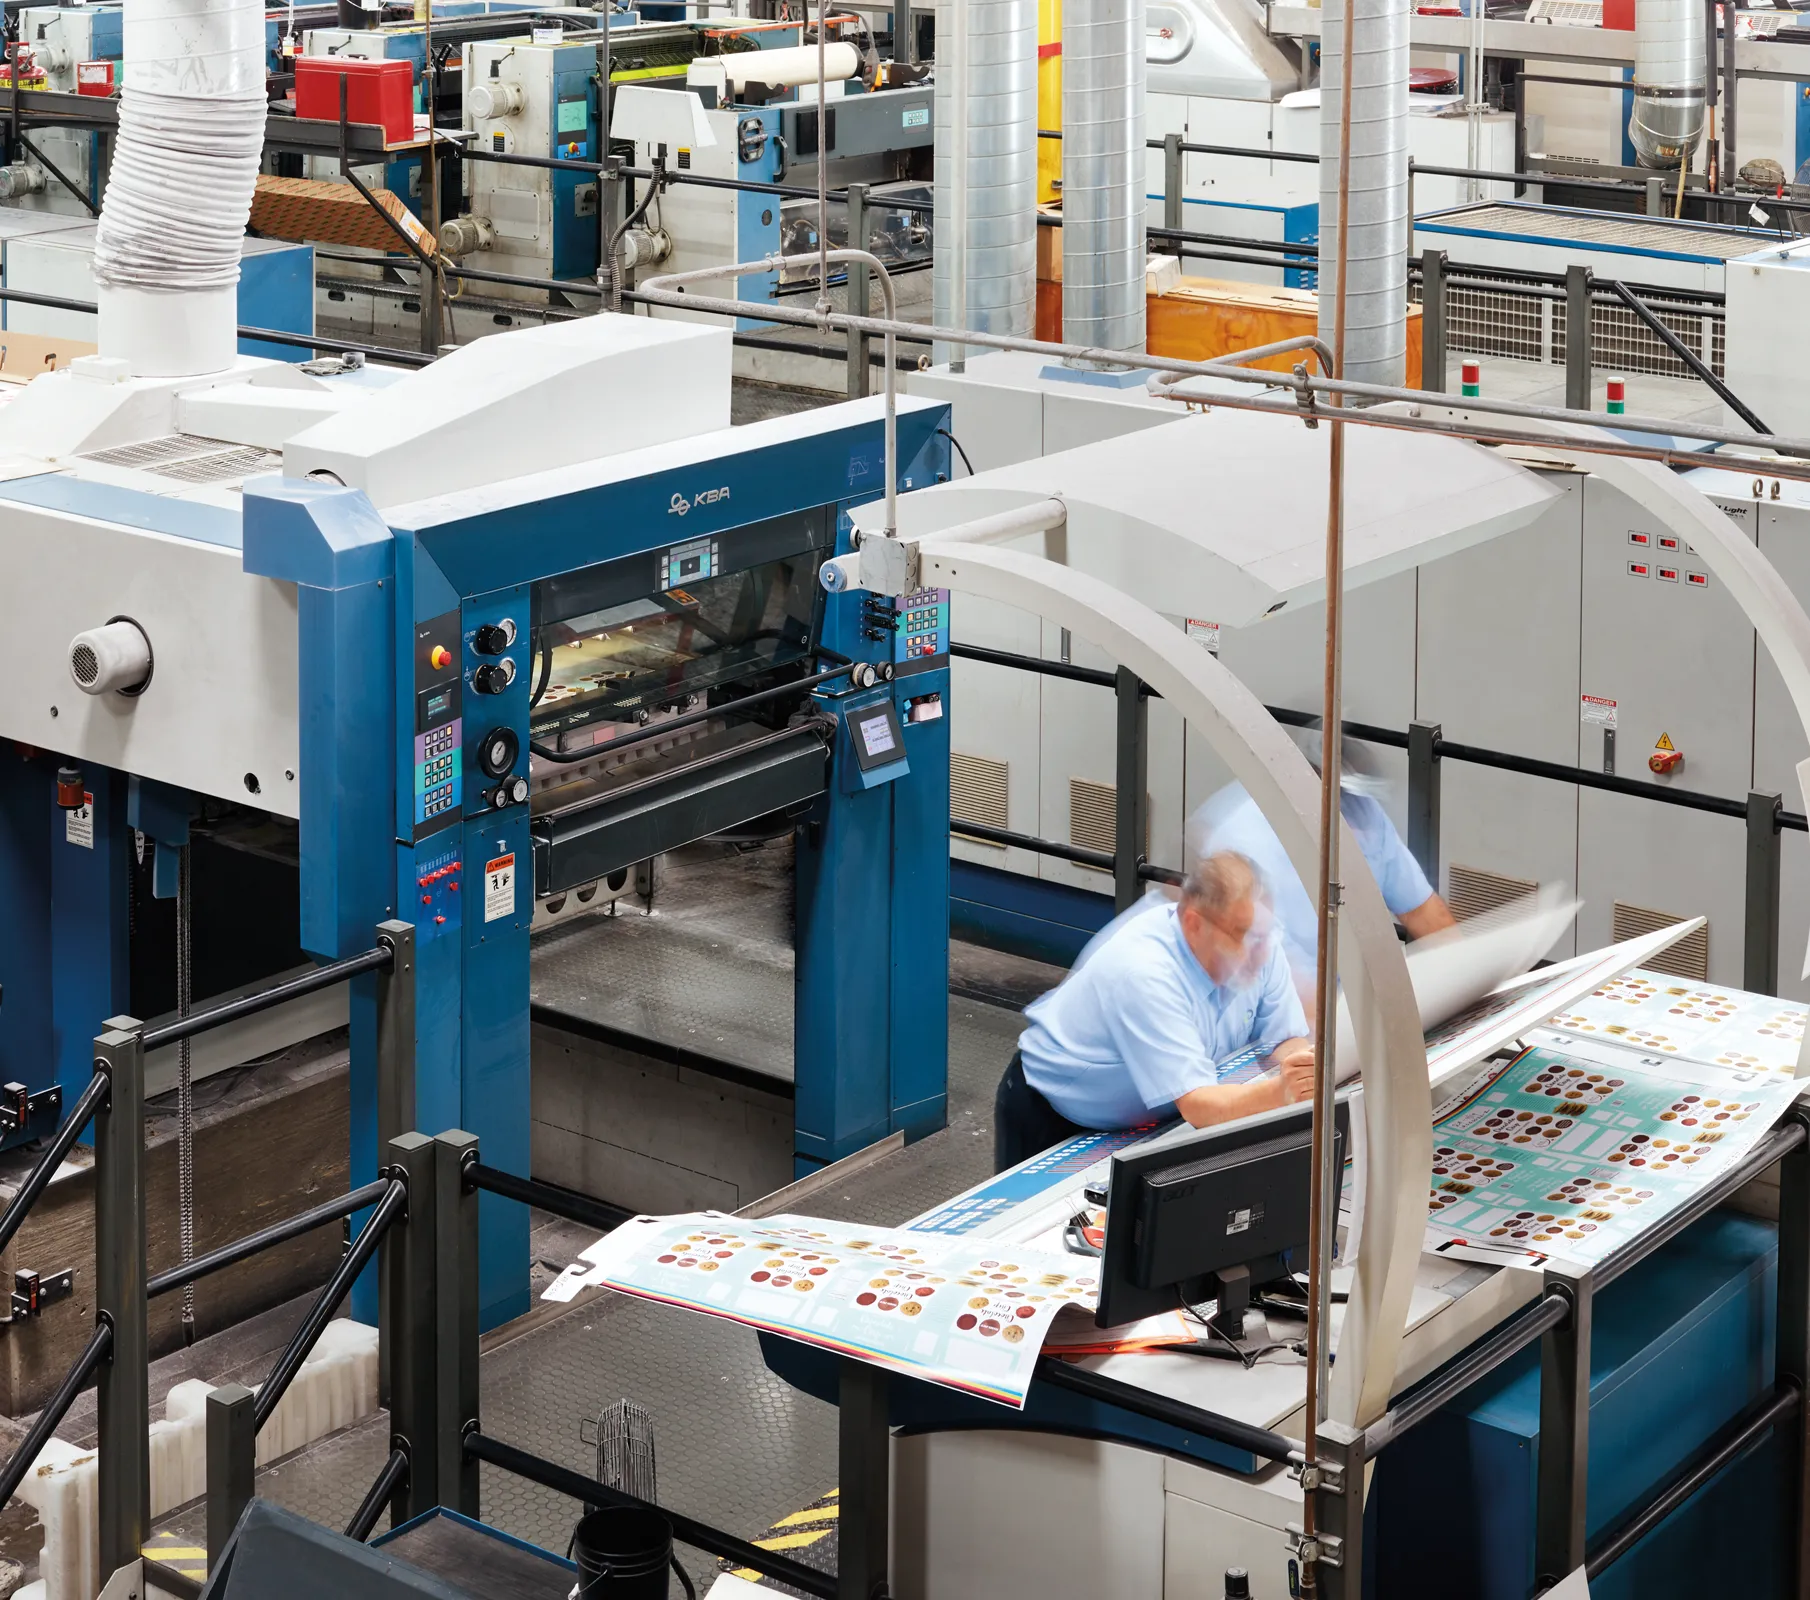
x: 1423, y: 798
x: 1577, y: 337
x: 1656, y: 197
x: 407, y: 1326
x: 123, y: 1384
x: 1432, y: 321
x: 1792, y: 1362
x: 1339, y: 1511
x: 1133, y: 752
x: 456, y: 1316
x: 1564, y: 1456
x: 1760, y: 936
x: 232, y: 1463
x: 865, y: 1448
x: 1172, y: 181
x: 396, y: 1033
x: 858, y: 298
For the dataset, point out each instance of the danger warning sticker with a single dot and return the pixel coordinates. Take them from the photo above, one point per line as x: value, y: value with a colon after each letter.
x: 499, y: 888
x: 1665, y: 743
x: 1596, y: 712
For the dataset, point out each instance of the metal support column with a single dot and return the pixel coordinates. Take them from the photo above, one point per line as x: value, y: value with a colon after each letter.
x: 456, y: 1316
x: 1564, y: 1452
x: 396, y: 1033
x: 1577, y: 337
x: 1132, y: 820
x: 232, y: 1463
x: 1423, y: 797
x: 1432, y: 321
x: 857, y: 291
x: 1792, y: 1363
x: 123, y: 1385
x: 409, y: 1326
x: 1172, y: 181
x: 865, y: 1447
x: 1339, y: 1512
x: 1765, y: 856
x: 1655, y: 197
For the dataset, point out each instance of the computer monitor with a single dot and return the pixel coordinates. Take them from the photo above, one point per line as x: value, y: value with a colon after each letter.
x: 1206, y: 1213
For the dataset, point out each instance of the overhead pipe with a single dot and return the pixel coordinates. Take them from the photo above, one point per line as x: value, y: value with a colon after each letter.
x: 1103, y: 249
x: 191, y: 134
x: 984, y: 266
x: 1669, y: 82
x: 1376, y: 269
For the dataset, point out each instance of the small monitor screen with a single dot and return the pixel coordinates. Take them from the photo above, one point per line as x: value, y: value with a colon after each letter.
x: 876, y: 735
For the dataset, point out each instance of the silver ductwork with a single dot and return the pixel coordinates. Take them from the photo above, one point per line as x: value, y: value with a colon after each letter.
x: 1103, y: 76
x: 1376, y: 246
x: 1669, y: 67
x: 985, y: 268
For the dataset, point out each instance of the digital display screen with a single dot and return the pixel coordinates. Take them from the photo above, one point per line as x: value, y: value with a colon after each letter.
x: 438, y: 704
x: 876, y: 735
x: 691, y: 566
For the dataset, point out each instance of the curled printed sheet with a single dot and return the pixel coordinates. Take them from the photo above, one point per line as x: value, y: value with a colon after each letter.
x: 971, y: 1315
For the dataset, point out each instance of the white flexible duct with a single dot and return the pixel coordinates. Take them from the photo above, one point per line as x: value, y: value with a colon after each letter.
x: 1376, y: 295
x: 1669, y: 68
x: 191, y: 132
x: 1103, y: 75
x: 985, y: 273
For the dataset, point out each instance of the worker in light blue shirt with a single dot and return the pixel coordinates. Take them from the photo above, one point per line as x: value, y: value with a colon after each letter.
x: 1232, y: 821
x: 1136, y: 1032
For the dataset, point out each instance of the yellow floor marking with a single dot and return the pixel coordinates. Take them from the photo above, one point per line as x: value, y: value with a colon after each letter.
x: 821, y: 1514
x: 793, y: 1541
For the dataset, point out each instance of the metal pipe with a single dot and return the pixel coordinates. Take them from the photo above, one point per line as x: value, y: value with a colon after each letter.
x: 289, y: 1363
x: 687, y: 1530
x: 1667, y: 118
x: 242, y: 1249
x: 1042, y: 516
x: 277, y: 994
x: 100, y: 1342
x: 87, y: 1103
x: 1685, y: 354
x: 1322, y: 1185
x: 1103, y: 73
x: 364, y: 1519
x: 658, y: 730
x: 572, y: 1207
x: 1104, y: 860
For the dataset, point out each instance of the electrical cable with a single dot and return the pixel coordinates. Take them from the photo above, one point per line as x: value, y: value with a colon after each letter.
x: 958, y: 449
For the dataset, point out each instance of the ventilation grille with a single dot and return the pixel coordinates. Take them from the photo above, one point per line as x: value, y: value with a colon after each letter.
x: 189, y: 458
x: 1093, y: 818
x: 1476, y: 891
x: 978, y: 787
x: 83, y: 663
x: 1567, y: 13
x: 1688, y: 958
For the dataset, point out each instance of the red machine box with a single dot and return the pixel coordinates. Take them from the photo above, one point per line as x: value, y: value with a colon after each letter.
x: 376, y: 91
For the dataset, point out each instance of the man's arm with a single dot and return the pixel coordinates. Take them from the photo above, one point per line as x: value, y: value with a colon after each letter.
x: 1226, y: 1102
x: 1430, y: 916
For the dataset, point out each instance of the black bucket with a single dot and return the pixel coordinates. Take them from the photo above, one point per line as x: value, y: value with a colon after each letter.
x: 623, y: 1553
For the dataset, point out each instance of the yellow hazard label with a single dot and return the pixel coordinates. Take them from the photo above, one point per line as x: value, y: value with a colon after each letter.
x: 1665, y: 743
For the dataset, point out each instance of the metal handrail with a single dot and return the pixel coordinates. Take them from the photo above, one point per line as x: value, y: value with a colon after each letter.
x: 302, y: 1342
x: 563, y: 1203
x: 100, y: 1343
x: 87, y: 1103
x: 252, y: 1244
x: 385, y: 1484
x: 699, y: 1535
x: 377, y: 958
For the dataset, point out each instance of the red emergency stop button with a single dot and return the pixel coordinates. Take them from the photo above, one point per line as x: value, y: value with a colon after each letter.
x: 439, y: 657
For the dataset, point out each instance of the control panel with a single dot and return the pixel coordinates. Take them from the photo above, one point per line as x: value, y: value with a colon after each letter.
x: 922, y: 639
x: 497, y: 674
x: 439, y: 873
x: 691, y: 562
x: 439, y: 723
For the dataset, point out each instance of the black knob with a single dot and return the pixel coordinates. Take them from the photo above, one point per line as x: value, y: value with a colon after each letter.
x: 493, y: 638
x: 494, y: 676
x: 1238, y: 1584
x: 510, y: 792
x: 497, y: 751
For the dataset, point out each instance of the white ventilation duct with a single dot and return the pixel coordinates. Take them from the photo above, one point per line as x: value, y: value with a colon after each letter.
x: 191, y: 132
x: 1669, y: 68
x: 1103, y: 73
x: 985, y: 272
x: 1376, y: 294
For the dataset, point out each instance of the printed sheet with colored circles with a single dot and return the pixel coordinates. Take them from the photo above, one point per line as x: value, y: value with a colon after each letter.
x: 1573, y: 1155
x: 969, y: 1314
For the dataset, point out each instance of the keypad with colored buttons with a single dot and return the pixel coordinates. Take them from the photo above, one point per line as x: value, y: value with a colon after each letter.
x: 923, y: 631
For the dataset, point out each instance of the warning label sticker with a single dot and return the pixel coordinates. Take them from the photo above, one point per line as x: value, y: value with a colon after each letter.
x: 78, y: 825
x: 499, y: 888
x: 1206, y: 633
x: 1596, y: 712
x: 1665, y: 743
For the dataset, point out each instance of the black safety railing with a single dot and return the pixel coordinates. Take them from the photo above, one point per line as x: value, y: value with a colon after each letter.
x: 1762, y: 813
x: 117, y: 1354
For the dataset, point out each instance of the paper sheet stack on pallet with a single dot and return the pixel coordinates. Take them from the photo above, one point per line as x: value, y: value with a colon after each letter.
x: 335, y: 1388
